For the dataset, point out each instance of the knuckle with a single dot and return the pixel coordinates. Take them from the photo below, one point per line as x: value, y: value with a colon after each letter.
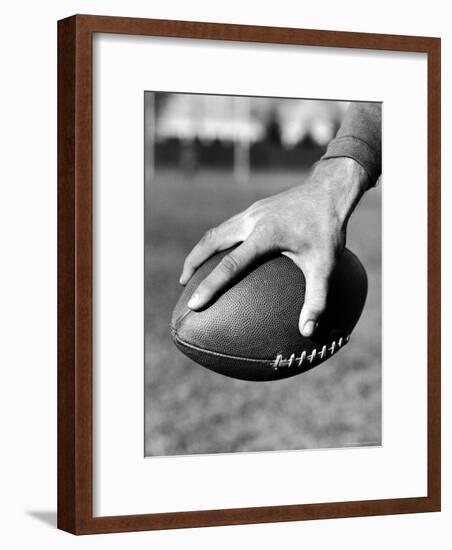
x: 249, y: 218
x: 255, y: 212
x: 210, y: 236
x: 255, y: 206
x: 317, y: 304
x: 324, y: 267
x: 229, y: 265
x: 260, y: 230
x: 324, y: 261
x: 265, y: 233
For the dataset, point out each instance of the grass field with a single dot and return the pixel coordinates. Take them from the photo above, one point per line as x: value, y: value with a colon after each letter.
x: 190, y: 410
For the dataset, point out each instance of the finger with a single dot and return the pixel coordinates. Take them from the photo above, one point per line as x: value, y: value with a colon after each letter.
x: 229, y: 268
x: 216, y: 239
x: 316, y: 292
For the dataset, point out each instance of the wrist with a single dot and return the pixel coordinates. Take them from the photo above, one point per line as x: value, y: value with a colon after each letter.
x: 344, y: 180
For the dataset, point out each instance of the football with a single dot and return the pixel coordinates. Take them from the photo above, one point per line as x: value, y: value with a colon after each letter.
x: 250, y: 331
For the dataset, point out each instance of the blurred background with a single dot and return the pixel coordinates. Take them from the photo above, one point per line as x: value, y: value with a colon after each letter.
x: 206, y: 159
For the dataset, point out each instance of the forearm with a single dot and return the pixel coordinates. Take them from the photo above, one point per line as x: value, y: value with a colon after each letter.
x: 359, y: 138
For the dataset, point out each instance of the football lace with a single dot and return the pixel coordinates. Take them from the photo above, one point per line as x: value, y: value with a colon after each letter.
x: 329, y: 350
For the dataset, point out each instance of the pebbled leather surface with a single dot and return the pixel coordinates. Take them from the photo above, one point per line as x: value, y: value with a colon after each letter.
x: 256, y: 319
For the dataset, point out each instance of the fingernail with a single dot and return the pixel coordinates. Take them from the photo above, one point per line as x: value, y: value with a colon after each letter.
x: 308, y: 328
x: 184, y: 278
x: 194, y: 301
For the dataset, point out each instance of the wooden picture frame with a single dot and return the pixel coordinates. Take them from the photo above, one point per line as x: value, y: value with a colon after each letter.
x: 75, y: 249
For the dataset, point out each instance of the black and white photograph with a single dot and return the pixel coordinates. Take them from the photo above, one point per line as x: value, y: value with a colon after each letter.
x: 223, y: 252
x: 262, y: 282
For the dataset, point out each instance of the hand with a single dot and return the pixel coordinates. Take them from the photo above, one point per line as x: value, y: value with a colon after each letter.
x: 306, y: 223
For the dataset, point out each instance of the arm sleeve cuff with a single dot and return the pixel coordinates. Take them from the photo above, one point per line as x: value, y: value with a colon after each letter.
x: 358, y: 150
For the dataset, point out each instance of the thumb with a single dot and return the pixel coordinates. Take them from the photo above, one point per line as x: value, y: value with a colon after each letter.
x: 315, y: 299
